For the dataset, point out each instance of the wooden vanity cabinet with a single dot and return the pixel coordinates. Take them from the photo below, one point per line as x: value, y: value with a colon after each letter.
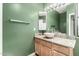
x: 45, y: 48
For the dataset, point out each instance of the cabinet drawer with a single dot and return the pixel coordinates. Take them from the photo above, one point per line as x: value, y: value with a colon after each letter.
x: 62, y: 49
x: 55, y: 53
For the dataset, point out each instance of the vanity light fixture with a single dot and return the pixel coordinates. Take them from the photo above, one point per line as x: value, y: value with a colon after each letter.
x: 59, y: 7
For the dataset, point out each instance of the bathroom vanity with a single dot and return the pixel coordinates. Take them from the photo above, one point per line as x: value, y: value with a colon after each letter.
x: 53, y: 47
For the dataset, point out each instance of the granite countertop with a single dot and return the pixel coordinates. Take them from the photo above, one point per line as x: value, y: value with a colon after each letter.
x: 57, y: 40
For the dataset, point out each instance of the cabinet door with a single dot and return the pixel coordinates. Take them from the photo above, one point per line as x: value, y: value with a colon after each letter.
x: 45, y: 51
x: 37, y: 48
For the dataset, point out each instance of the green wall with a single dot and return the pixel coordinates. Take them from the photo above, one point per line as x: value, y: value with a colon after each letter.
x: 17, y: 37
x: 62, y: 22
x: 52, y: 19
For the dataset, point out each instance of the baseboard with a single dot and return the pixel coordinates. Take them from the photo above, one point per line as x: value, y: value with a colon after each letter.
x: 32, y: 54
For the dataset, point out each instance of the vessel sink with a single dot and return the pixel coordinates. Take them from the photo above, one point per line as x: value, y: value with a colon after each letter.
x: 49, y: 35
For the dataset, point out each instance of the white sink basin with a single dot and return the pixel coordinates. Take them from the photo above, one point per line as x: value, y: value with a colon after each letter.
x: 49, y: 35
